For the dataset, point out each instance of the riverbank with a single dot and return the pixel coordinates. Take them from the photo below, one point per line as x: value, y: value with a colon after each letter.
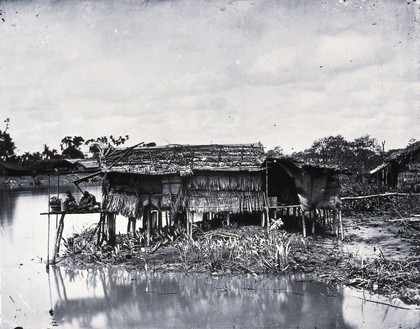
x: 20, y: 182
x: 380, y: 255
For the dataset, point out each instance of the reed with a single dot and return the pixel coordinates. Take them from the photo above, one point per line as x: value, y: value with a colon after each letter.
x: 225, y: 253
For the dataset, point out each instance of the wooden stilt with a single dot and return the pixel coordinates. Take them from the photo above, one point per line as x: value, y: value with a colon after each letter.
x: 100, y: 229
x: 58, y: 236
x: 148, y: 215
x: 159, y: 221
x: 165, y: 213
x: 188, y: 223
x: 262, y: 219
x: 168, y: 218
x: 313, y: 215
x: 191, y: 223
x: 267, y: 219
x: 334, y: 223
x: 228, y: 219
x: 111, y: 229
x: 303, y: 224
x: 340, y: 222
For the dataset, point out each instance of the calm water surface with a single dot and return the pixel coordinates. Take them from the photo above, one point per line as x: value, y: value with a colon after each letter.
x: 114, y: 298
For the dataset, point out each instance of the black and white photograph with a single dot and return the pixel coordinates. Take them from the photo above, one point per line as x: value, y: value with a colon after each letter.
x: 219, y: 164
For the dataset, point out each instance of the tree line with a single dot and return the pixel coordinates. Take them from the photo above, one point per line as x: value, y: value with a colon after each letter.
x: 359, y: 155
x: 70, y: 147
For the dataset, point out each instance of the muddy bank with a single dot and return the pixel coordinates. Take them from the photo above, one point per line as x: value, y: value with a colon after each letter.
x: 378, y: 254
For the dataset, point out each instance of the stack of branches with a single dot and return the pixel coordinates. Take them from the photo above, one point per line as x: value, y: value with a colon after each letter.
x: 387, y: 277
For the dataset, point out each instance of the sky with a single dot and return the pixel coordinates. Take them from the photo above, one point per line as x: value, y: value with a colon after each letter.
x: 283, y: 73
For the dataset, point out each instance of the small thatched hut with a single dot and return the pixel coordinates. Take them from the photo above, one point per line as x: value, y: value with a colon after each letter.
x: 173, y: 182
x: 400, y: 170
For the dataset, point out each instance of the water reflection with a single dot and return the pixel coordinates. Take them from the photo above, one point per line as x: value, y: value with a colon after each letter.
x: 7, y: 207
x: 114, y: 298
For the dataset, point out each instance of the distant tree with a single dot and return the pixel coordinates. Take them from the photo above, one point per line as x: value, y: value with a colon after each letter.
x: 367, y: 154
x: 359, y: 155
x: 48, y: 154
x: 27, y: 156
x: 328, y: 150
x: 70, y: 147
x: 99, y: 144
x: 7, y: 146
x: 275, y: 152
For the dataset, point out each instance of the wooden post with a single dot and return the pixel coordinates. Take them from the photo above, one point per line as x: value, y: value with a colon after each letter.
x: 297, y: 217
x: 262, y: 219
x: 148, y: 215
x: 334, y: 223
x: 58, y: 236
x: 191, y: 222
x: 168, y: 218
x: 100, y: 228
x: 111, y: 229
x: 159, y: 221
x: 188, y: 222
x: 313, y: 216
x: 303, y: 224
x: 267, y: 215
x: 340, y: 222
x: 228, y: 219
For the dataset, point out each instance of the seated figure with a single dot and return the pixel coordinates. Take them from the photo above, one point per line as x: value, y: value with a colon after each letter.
x: 87, y: 201
x: 70, y: 202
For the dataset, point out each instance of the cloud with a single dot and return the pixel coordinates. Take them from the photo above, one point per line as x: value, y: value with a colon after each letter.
x: 284, y: 73
x: 338, y: 51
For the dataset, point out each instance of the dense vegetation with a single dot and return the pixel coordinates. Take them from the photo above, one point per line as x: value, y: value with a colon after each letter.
x: 70, y: 147
x: 358, y: 156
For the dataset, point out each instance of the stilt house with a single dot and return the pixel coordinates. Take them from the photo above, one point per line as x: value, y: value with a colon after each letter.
x: 188, y: 183
x: 400, y: 170
x: 304, y: 191
x: 177, y: 181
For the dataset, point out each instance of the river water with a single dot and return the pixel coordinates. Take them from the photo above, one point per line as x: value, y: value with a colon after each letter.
x: 111, y: 297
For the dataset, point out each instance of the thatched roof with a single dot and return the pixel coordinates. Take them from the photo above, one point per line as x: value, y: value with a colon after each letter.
x: 185, y: 159
x: 401, y: 157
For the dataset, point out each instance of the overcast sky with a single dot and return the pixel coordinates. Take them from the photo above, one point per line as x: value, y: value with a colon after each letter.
x: 199, y: 72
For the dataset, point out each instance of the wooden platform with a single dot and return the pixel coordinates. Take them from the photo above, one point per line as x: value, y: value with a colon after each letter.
x: 76, y: 212
x: 105, y: 229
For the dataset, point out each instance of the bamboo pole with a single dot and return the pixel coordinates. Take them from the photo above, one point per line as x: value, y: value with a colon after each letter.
x: 373, y: 196
x: 340, y: 221
x: 262, y: 219
x: 334, y: 223
x: 303, y: 224
x: 188, y: 222
x: 58, y: 236
x: 267, y: 214
x: 313, y: 216
x: 111, y: 229
x: 148, y: 215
